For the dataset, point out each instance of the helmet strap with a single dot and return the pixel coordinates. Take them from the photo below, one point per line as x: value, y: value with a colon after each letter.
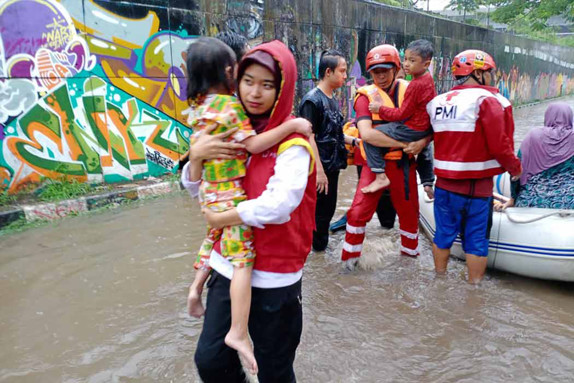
x: 477, y: 80
x: 394, y: 81
x: 461, y: 80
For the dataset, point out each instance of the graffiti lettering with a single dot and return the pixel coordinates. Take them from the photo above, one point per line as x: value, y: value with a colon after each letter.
x: 58, y: 33
x: 157, y: 158
x: 106, y: 142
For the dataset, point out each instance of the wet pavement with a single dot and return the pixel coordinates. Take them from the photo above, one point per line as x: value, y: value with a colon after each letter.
x: 101, y: 298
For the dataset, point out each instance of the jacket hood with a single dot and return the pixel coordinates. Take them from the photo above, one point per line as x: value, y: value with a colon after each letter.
x: 283, y: 106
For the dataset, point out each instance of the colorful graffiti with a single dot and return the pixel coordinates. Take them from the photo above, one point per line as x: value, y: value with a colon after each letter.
x: 92, y: 131
x: 136, y: 57
x: 88, y: 94
x: 522, y: 88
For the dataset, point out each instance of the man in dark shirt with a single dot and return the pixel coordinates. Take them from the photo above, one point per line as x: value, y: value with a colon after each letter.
x: 328, y: 141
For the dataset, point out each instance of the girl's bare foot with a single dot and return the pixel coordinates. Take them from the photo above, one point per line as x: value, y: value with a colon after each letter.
x: 380, y: 182
x: 245, y: 350
x: 194, y: 305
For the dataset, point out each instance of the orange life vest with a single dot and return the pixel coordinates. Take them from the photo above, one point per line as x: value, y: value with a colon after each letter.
x: 350, y: 129
x: 374, y: 93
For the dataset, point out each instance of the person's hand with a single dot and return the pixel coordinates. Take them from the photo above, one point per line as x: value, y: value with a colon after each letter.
x: 516, y: 177
x: 208, y: 146
x: 302, y: 126
x: 430, y: 192
x: 374, y: 107
x: 212, y: 218
x: 415, y: 147
x: 322, y: 182
x: 498, y: 206
x: 194, y: 305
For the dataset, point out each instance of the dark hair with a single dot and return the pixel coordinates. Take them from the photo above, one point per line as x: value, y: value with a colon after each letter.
x: 207, y: 62
x: 329, y: 59
x: 422, y: 48
x: 234, y: 41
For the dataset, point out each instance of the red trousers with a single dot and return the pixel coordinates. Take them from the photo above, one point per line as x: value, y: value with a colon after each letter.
x: 364, y: 206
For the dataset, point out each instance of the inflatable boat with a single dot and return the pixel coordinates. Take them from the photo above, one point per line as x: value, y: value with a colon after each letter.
x: 531, y: 242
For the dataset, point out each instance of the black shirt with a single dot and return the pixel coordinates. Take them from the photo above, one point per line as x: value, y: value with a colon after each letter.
x: 327, y: 120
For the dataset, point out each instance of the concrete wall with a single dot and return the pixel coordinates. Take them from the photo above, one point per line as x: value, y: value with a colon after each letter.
x: 95, y: 89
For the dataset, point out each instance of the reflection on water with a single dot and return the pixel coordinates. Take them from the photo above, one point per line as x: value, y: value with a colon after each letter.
x: 101, y: 298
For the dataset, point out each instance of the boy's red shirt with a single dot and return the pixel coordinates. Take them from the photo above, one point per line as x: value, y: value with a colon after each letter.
x: 419, y: 93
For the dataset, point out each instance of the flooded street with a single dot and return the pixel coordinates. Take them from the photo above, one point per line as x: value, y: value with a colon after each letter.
x: 101, y: 298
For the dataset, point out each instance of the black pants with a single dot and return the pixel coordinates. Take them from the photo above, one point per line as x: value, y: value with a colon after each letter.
x: 385, y: 210
x: 326, y: 205
x: 395, y: 130
x: 275, y: 325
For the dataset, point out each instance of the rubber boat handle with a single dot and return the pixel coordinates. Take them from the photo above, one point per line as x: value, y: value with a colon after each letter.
x: 560, y: 213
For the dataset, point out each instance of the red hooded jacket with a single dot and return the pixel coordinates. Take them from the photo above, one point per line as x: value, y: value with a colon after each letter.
x: 282, y: 248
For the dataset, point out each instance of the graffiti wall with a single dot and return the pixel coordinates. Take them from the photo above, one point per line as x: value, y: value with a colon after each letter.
x: 89, y: 91
x: 95, y: 89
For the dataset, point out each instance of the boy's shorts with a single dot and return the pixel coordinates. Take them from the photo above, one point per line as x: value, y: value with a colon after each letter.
x: 471, y: 217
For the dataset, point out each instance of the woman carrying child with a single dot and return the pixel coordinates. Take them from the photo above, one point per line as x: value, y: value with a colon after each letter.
x: 280, y: 186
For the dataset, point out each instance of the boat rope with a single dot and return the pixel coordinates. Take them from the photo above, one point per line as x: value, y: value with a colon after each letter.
x: 560, y: 213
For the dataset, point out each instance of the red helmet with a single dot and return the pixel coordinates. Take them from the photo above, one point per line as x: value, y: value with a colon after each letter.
x: 466, y: 62
x: 383, y: 56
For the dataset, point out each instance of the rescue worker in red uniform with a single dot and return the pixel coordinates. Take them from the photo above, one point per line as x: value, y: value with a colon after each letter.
x: 473, y: 134
x: 383, y: 63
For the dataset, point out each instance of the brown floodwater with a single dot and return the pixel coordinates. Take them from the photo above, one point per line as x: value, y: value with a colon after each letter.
x: 101, y: 298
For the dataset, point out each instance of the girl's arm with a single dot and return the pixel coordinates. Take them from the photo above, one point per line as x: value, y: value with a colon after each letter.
x: 283, y: 194
x: 207, y: 147
x: 263, y: 141
x: 226, y: 218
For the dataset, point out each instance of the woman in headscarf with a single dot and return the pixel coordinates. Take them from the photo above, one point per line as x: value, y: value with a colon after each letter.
x: 280, y: 185
x: 547, y: 156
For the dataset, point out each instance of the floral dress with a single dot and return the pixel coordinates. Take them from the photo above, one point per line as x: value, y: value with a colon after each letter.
x: 222, y: 187
x: 552, y: 188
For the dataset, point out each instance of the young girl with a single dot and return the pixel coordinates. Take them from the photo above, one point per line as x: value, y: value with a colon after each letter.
x: 210, y: 69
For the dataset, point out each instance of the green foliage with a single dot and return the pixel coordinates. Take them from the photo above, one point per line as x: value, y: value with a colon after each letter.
x: 20, y: 225
x: 523, y: 17
x: 172, y: 178
x: 568, y: 41
x: 394, y: 3
x: 61, y: 189
x: 474, y: 22
x: 465, y: 6
x: 7, y: 199
x: 530, y: 13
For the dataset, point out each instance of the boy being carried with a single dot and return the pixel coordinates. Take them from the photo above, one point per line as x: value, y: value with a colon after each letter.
x: 411, y: 121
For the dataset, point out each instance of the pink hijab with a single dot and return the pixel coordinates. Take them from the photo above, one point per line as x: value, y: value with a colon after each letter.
x: 550, y: 145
